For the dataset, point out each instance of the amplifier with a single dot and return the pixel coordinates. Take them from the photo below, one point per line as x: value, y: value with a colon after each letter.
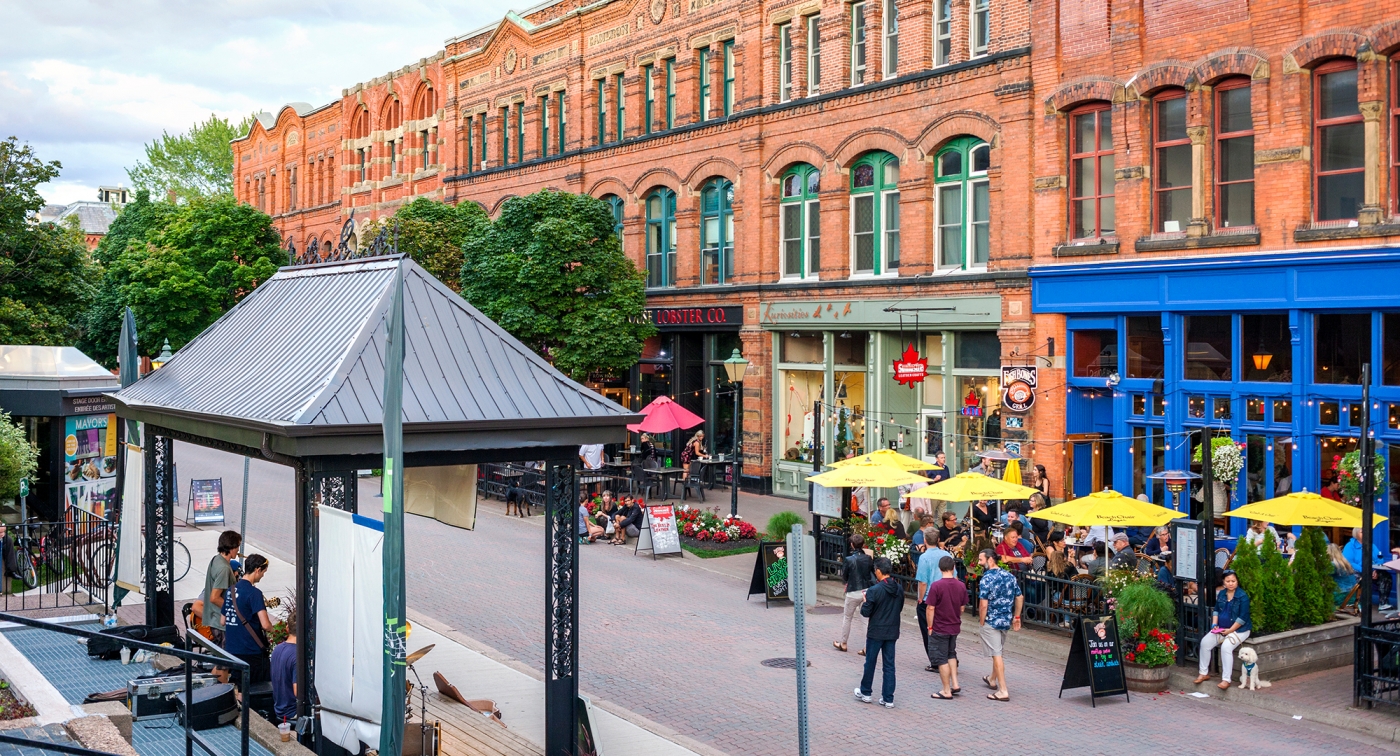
x: 422, y: 741
x: 155, y: 696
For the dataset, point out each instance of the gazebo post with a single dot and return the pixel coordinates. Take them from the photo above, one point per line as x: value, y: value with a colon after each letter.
x: 561, y: 610
x: 160, y: 528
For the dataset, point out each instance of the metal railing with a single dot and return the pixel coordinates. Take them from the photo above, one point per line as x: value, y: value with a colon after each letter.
x: 61, y: 564
x: 832, y: 549
x: 1192, y: 622
x: 47, y: 746
x: 1053, y: 603
x: 216, y: 656
x: 1376, y: 664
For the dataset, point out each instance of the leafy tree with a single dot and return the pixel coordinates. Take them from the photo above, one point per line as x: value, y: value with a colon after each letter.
x: 18, y: 457
x: 433, y: 234
x: 1312, y: 578
x: 197, y: 163
x: 1275, y: 606
x: 46, y: 273
x: 551, y: 272
x: 182, y: 267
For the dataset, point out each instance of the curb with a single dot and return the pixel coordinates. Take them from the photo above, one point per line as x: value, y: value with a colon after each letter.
x: 1182, y: 680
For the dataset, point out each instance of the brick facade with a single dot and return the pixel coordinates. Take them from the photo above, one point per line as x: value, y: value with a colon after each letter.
x: 1042, y: 60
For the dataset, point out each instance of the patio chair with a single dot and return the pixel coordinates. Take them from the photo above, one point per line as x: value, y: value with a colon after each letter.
x: 642, y: 482
x: 1078, y: 597
x: 693, y: 483
x: 1223, y: 557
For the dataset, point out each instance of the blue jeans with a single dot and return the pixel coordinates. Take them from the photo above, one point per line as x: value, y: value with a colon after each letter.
x: 885, y: 648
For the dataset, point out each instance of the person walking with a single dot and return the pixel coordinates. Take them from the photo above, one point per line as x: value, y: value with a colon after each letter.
x: 926, y: 573
x: 884, y: 603
x: 998, y: 610
x: 946, y: 599
x: 857, y: 571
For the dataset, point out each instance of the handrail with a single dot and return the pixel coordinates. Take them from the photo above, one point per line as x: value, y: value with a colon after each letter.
x: 220, y: 657
x: 46, y: 746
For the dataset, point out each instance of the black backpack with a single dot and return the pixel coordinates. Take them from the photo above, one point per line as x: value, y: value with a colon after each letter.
x: 109, y: 646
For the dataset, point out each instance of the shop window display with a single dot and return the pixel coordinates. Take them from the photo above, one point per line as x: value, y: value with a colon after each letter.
x: 802, y: 347
x: 848, y: 434
x: 979, y: 417
x: 802, y: 389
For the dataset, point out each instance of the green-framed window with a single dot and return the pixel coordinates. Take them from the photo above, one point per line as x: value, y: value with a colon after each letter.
x: 814, y: 55
x: 875, y: 215
x: 619, y: 109
x: 800, y: 218
x: 471, y: 146
x: 505, y: 136
x: 615, y: 203
x: 520, y: 131
x: 602, y: 110
x: 482, y: 120
x: 559, y: 120
x: 728, y: 78
x: 670, y: 93
x: 717, y: 232
x: 648, y: 97
x: 703, y: 60
x: 964, y: 203
x: 393, y: 158
x: 544, y: 126
x: 890, y: 44
x: 661, y: 238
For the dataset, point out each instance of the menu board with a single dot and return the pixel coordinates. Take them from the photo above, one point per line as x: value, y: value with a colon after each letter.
x: 206, y: 503
x: 90, y: 462
x: 1095, y: 658
x: 661, y: 522
x: 825, y: 501
x: 1186, y: 541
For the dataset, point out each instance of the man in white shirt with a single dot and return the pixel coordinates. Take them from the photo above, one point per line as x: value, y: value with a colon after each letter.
x: 592, y: 456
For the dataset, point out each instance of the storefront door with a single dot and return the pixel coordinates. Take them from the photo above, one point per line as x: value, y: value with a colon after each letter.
x: 932, y: 425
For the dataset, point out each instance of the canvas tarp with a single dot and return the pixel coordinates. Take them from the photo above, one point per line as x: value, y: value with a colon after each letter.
x: 349, y: 620
x: 446, y: 494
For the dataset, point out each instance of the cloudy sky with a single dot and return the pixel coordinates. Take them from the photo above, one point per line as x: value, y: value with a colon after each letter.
x: 88, y: 83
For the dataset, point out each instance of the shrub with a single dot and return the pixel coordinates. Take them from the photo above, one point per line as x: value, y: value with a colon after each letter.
x: 18, y: 457
x: 1250, y: 571
x: 1147, y: 607
x: 1276, y: 604
x: 780, y: 524
x: 1312, y: 578
x: 1116, y: 581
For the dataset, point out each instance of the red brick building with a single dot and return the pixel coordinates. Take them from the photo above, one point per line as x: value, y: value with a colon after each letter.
x: 824, y: 184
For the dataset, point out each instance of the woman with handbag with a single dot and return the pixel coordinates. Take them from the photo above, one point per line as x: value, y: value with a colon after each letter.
x: 246, y: 622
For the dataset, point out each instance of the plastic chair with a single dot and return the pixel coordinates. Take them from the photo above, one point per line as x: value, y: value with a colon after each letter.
x: 693, y: 483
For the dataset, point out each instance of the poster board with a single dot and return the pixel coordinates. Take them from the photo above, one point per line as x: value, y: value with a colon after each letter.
x: 770, y: 572
x: 1095, y: 659
x: 90, y: 463
x: 206, y: 502
x: 1186, y: 545
x: 659, y: 534
x: 825, y: 501
x: 588, y: 744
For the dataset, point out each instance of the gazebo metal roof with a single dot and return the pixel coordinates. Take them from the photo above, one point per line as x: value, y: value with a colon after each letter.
x: 297, y: 367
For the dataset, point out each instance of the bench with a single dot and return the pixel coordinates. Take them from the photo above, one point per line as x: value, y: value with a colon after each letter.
x: 468, y: 733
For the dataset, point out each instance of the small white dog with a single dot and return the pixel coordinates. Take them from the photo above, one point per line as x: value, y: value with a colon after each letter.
x: 1249, y: 669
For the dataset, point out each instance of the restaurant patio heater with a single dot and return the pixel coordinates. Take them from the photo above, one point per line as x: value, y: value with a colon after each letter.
x: 1176, y: 481
x: 735, y: 367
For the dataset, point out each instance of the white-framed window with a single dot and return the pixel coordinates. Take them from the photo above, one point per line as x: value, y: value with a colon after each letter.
x: 981, y: 24
x: 963, y: 214
x: 942, y: 32
x: 800, y: 220
x: 891, y: 41
x: 857, y: 43
x: 785, y: 62
x: 814, y: 55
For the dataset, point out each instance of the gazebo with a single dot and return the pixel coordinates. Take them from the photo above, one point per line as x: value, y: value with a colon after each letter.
x: 294, y: 374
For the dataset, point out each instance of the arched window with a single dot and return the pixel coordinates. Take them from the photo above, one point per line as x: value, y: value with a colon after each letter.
x: 801, y: 222
x: 393, y: 113
x: 964, y: 204
x: 661, y: 238
x: 359, y: 127
x: 717, y: 232
x: 875, y: 215
x: 615, y: 204
x: 1091, y: 171
x: 424, y: 103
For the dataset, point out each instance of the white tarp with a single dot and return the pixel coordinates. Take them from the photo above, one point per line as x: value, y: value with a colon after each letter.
x: 349, y: 627
x: 446, y: 494
x: 129, y: 529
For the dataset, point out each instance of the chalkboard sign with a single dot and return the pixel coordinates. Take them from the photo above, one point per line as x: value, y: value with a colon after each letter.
x: 770, y: 572
x: 1095, y: 659
x: 206, y: 502
x: 659, y: 534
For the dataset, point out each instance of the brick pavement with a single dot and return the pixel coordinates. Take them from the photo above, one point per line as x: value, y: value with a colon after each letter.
x: 676, y: 642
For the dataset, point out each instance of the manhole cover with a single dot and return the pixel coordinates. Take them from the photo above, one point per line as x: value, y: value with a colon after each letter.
x: 782, y: 662
x: 824, y: 610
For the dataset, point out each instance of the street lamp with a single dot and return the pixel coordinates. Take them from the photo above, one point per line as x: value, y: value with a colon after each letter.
x: 162, y: 358
x: 734, y: 367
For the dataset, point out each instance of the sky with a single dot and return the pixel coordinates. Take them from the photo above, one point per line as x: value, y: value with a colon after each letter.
x: 89, y: 83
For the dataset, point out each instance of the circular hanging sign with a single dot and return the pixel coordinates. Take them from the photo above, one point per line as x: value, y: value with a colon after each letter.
x: 1018, y: 387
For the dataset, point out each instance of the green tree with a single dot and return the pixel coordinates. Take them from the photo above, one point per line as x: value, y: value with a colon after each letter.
x: 551, y: 272
x: 1250, y: 570
x: 197, y: 163
x: 182, y: 267
x: 1312, y: 578
x: 1276, y: 604
x: 47, y: 276
x: 433, y: 234
x: 18, y: 457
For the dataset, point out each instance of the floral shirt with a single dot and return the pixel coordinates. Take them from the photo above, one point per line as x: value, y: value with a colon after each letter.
x: 999, y: 589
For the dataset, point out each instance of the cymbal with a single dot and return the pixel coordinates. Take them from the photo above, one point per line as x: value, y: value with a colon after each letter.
x: 419, y: 654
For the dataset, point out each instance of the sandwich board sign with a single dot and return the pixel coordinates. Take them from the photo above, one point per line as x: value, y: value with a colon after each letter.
x: 1095, y: 659
x: 659, y: 534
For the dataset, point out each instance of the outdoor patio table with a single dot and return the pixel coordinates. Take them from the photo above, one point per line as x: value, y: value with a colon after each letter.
x: 669, y: 477
x: 707, y: 470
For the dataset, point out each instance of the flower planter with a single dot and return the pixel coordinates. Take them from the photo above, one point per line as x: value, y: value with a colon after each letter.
x: 1143, y: 679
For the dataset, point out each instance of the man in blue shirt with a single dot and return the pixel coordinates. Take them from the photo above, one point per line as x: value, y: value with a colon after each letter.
x: 999, y: 603
x: 284, y: 673
x: 246, y: 622
x: 1352, y: 551
x: 926, y: 573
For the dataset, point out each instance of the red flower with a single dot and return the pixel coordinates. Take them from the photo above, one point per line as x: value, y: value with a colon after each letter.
x: 1130, y: 656
x: 1142, y: 647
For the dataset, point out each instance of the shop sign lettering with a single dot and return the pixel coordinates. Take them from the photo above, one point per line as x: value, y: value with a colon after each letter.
x: 1018, y: 384
x: 696, y: 317
x: 910, y: 368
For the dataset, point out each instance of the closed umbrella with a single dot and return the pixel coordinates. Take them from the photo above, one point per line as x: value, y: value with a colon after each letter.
x: 1013, y: 472
x: 663, y: 416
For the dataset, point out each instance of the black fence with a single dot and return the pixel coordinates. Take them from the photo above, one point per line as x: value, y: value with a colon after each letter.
x: 1376, y: 666
x: 832, y: 548
x: 1192, y: 622
x: 57, y: 565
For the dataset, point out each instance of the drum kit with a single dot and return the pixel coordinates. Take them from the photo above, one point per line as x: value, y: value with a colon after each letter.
x: 423, y: 738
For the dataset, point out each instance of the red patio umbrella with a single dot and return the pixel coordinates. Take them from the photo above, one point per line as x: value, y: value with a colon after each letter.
x: 664, y: 416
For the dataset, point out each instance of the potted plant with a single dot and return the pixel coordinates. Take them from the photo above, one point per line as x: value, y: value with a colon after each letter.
x: 1146, y: 619
x: 1226, y: 462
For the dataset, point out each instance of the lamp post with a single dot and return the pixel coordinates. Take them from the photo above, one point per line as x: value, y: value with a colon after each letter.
x: 735, y: 367
x: 162, y: 358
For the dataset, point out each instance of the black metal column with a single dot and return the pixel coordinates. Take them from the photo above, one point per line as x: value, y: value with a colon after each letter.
x: 561, y: 610
x: 336, y: 490
x: 160, y: 530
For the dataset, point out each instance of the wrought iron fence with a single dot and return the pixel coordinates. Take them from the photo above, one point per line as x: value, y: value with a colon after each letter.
x: 1376, y: 666
x: 832, y: 548
x: 1192, y: 622
x: 57, y: 565
x: 1053, y: 603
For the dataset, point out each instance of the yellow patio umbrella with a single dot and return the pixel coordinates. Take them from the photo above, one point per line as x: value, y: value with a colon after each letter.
x: 1108, y: 508
x: 1303, y: 508
x: 971, y: 486
x: 887, y: 457
x: 867, y: 474
x: 1013, y: 472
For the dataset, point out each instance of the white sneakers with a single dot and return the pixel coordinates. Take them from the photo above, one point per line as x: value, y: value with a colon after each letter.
x: 862, y: 697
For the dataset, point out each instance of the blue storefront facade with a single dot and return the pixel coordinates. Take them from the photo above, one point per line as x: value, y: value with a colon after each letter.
x: 1265, y: 348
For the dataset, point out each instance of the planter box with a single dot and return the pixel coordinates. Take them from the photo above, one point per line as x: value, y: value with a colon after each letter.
x: 1307, y: 649
x: 1142, y: 679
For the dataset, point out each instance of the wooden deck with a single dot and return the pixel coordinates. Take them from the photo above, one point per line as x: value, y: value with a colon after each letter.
x: 467, y: 733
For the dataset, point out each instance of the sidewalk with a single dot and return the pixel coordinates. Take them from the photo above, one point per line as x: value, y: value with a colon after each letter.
x: 474, y: 668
